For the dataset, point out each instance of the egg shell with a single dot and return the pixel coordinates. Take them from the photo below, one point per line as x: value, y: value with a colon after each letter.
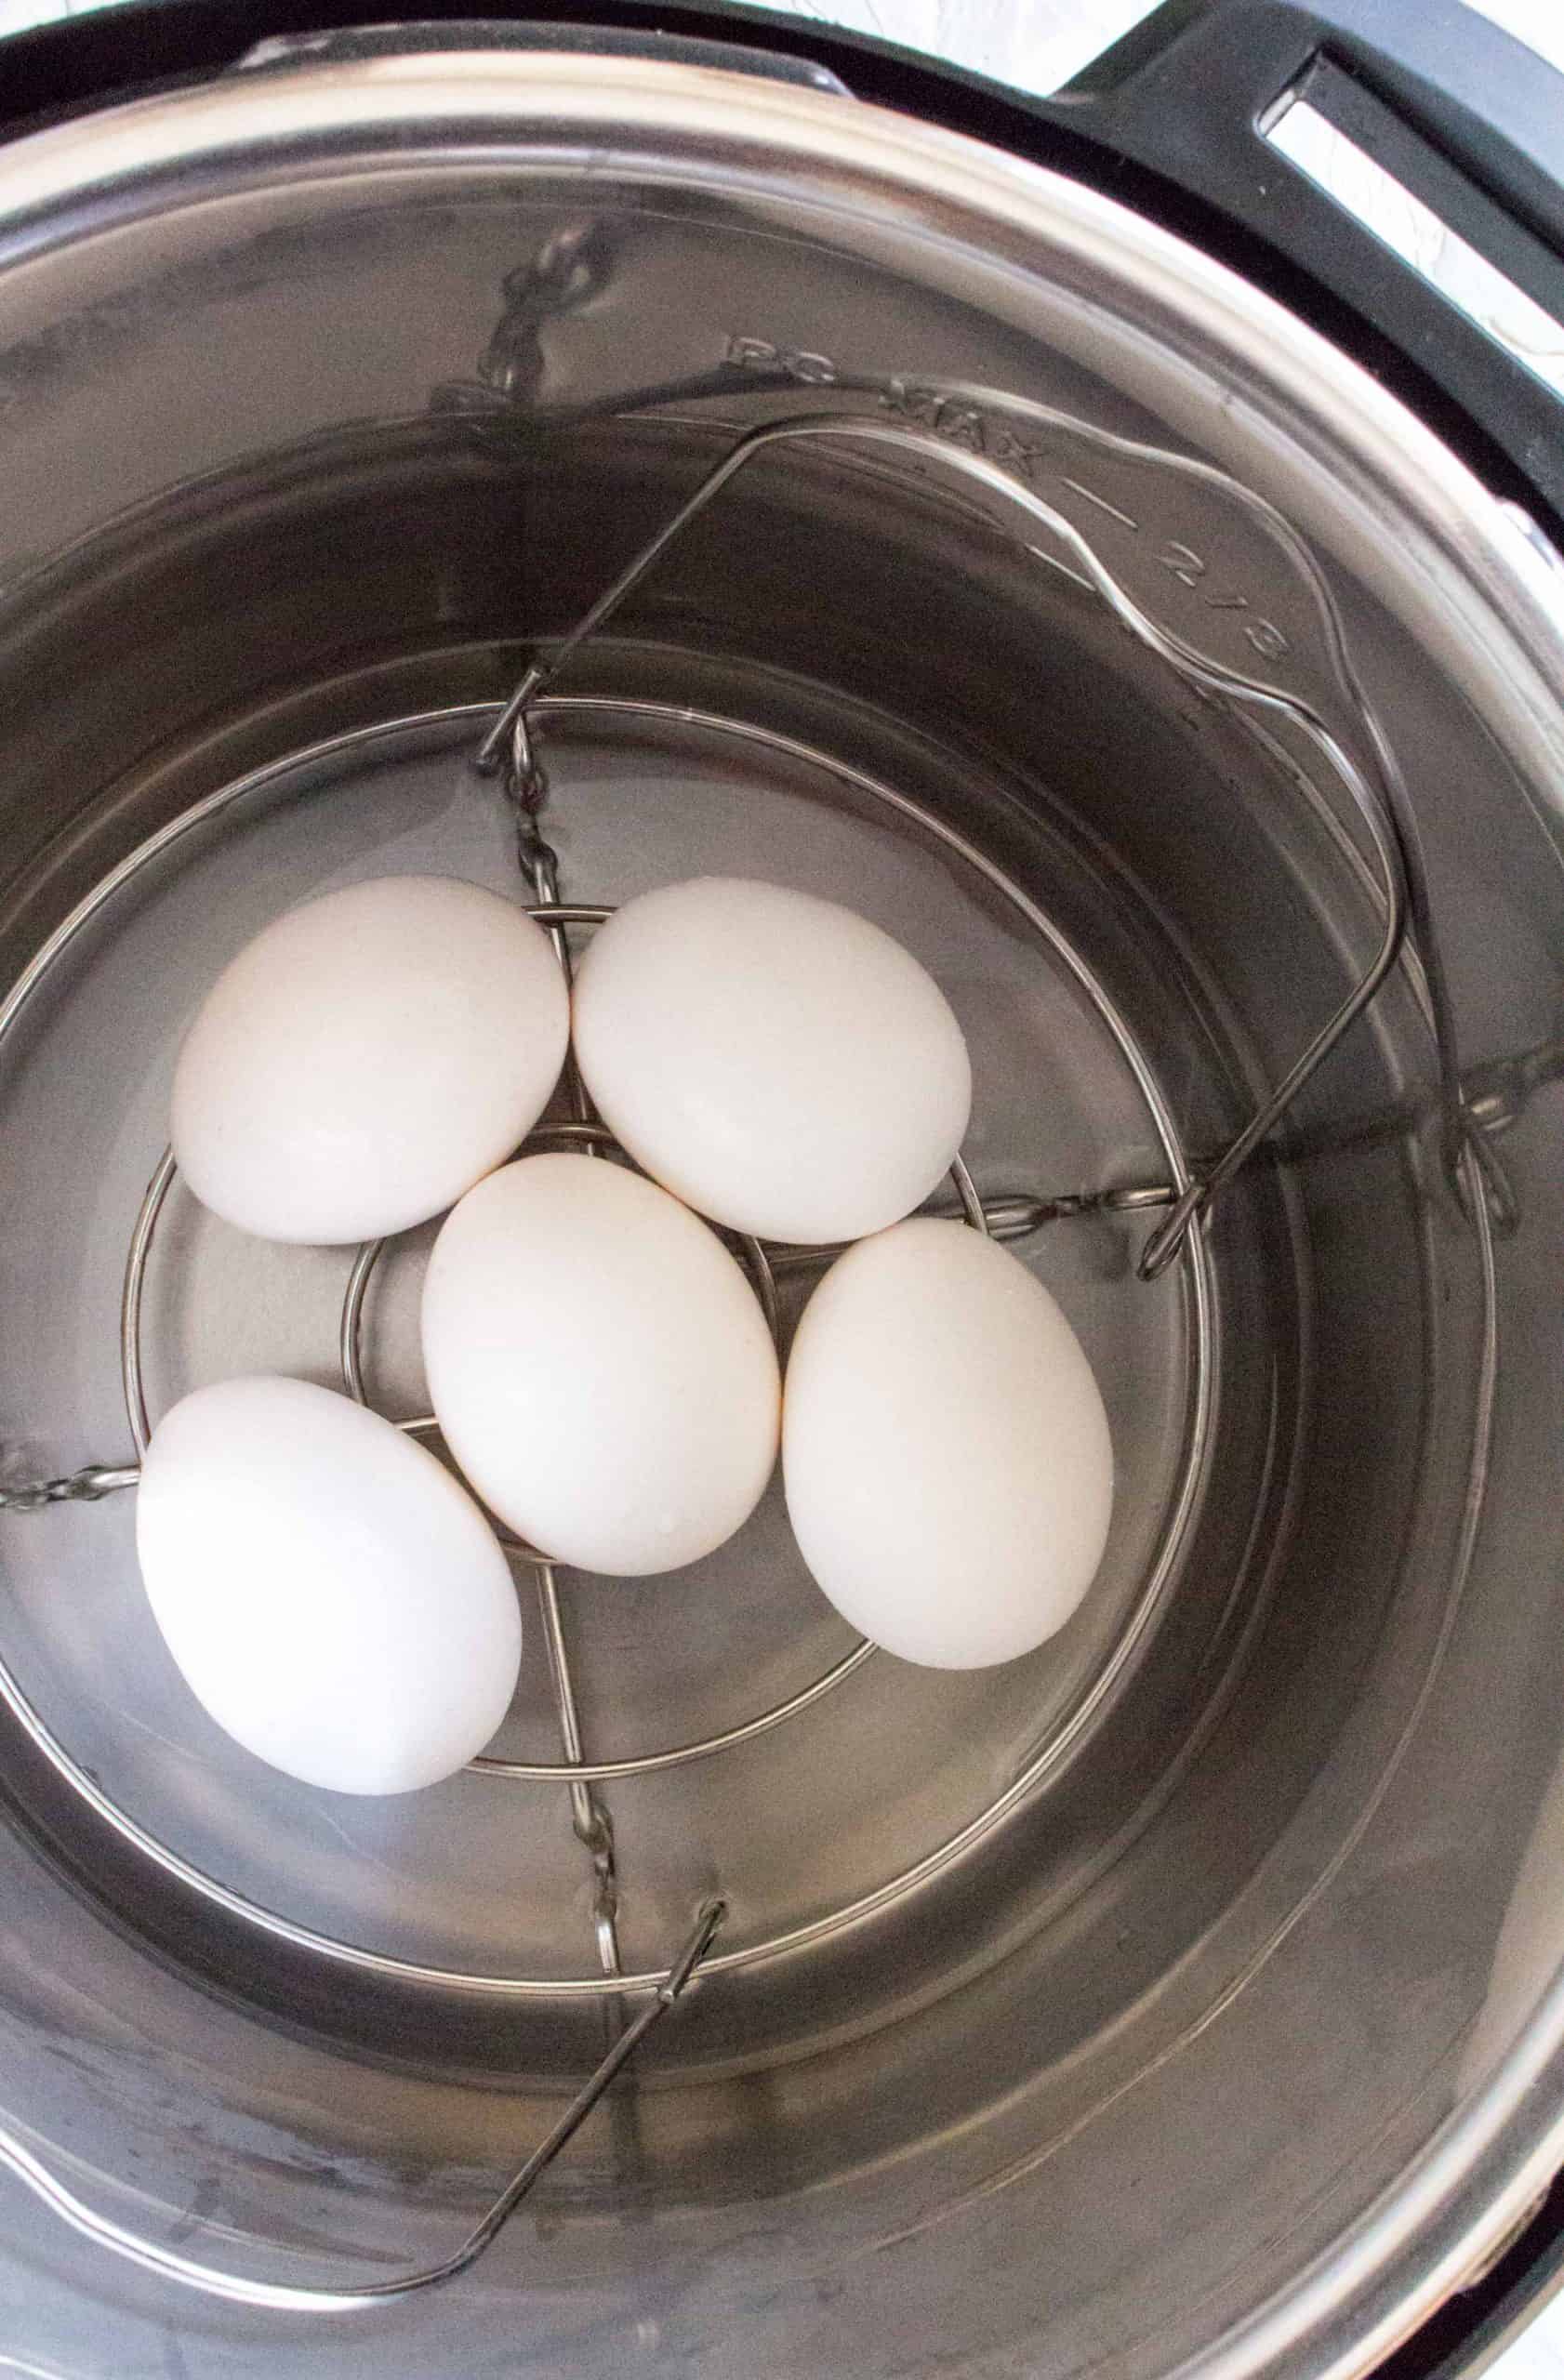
x: 945, y: 1451
x: 600, y: 1366
x: 771, y: 1058
x: 332, y: 1596
x: 368, y: 1058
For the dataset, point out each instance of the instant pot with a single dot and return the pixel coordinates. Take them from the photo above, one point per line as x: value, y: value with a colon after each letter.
x: 662, y: 443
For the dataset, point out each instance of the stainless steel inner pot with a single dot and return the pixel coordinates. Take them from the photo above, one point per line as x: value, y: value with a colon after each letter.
x: 1184, y: 1995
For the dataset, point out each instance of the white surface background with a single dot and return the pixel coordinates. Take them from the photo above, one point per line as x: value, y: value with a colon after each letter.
x: 1038, y: 44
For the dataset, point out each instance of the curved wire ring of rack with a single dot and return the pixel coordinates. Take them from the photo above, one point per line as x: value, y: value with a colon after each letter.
x: 1195, y: 1290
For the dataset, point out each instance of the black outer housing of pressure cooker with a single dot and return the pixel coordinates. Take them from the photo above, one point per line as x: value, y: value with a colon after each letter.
x: 1172, y: 122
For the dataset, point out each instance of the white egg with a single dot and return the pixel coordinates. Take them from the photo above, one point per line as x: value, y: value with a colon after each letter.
x: 774, y: 1060
x: 368, y: 1058
x: 945, y: 1451
x: 600, y: 1366
x: 334, y: 1598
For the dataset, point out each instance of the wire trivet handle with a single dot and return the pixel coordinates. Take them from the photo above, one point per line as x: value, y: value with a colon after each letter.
x: 1194, y: 643
x: 285, y: 2298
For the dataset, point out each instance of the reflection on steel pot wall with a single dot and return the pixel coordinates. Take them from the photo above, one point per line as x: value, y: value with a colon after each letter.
x: 1182, y: 1995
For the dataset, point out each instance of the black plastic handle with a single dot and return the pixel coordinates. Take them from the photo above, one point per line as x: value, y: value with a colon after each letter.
x: 1464, y: 117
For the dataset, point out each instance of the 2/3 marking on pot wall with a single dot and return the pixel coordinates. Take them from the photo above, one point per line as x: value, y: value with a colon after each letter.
x: 964, y: 424
x: 961, y: 423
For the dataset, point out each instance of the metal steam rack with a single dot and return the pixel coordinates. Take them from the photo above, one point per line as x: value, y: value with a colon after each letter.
x: 511, y: 749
